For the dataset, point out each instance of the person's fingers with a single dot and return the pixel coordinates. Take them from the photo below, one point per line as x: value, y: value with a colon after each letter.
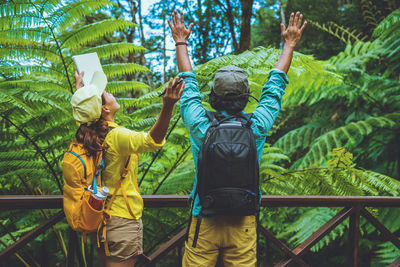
x: 282, y: 28
x: 176, y: 19
x: 173, y: 19
x: 170, y: 83
x: 82, y: 74
x: 168, y: 88
x: 296, y: 18
x: 169, y: 23
x: 190, y: 27
x: 303, y: 27
x: 182, y: 17
x: 181, y: 90
x: 291, y: 20
x: 299, y: 21
x: 175, y: 82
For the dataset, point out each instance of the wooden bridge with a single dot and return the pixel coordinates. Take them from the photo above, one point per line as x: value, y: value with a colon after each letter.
x: 352, y: 207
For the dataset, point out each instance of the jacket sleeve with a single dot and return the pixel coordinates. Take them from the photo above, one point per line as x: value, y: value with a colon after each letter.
x: 270, y: 101
x: 129, y: 142
x: 192, y: 111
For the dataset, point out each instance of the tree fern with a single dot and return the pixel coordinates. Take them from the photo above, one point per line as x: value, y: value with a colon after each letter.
x: 342, y: 33
x: 37, y: 40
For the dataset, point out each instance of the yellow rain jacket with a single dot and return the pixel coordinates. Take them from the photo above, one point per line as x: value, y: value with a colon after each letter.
x: 121, y: 143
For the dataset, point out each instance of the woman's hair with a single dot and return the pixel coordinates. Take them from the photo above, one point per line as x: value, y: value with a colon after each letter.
x: 92, y: 137
x: 230, y: 105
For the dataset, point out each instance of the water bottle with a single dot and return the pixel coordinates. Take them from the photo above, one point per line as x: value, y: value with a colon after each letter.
x: 97, y: 200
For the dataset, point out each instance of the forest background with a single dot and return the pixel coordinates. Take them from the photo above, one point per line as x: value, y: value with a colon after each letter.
x: 337, y: 134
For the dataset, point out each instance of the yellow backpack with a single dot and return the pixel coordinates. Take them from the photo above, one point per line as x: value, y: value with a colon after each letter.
x: 81, y: 171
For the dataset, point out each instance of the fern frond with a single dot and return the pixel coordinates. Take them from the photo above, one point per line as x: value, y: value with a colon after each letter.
x: 301, y: 137
x: 385, y: 27
x: 118, y: 70
x: 349, y: 136
x: 306, y: 224
x: 27, y: 52
x: 387, y: 253
x: 112, y: 50
x: 344, y: 34
x: 79, y: 37
x: 125, y: 86
x: 70, y: 14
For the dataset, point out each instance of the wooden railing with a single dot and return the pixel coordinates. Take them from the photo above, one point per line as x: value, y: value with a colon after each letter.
x: 353, y: 208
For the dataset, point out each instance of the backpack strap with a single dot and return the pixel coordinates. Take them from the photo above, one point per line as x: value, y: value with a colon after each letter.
x: 97, y: 174
x: 79, y: 157
x: 119, y: 185
x: 124, y: 172
x: 197, y: 230
x: 213, y: 117
x: 245, y: 119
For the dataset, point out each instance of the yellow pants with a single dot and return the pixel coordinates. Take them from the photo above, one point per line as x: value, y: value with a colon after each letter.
x: 233, y: 236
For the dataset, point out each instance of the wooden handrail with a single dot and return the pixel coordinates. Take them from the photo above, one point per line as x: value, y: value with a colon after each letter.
x: 353, y: 208
x: 8, y: 202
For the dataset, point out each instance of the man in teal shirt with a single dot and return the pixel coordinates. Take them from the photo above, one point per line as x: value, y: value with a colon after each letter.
x: 232, y: 236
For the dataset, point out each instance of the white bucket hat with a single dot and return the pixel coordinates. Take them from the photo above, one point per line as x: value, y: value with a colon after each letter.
x: 86, y: 101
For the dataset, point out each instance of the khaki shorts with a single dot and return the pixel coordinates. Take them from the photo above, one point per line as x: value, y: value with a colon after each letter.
x: 125, y: 238
x: 234, y: 237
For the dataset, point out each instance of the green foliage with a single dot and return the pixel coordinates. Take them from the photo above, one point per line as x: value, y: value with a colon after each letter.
x: 342, y: 33
x: 37, y: 40
x: 347, y: 104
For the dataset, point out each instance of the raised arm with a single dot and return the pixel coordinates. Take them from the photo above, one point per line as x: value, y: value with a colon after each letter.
x: 291, y: 36
x: 172, y: 95
x: 180, y: 34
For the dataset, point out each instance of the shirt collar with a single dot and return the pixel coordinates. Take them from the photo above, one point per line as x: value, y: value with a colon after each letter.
x: 112, y: 124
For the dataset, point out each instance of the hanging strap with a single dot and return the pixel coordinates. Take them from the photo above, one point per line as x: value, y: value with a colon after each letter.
x: 124, y: 172
x: 196, y: 233
x: 98, y: 171
x: 103, y: 227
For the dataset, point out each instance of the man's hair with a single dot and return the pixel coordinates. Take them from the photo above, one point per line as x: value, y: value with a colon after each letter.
x: 232, y: 105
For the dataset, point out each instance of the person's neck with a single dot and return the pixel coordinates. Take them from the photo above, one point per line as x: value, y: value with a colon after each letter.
x: 109, y: 117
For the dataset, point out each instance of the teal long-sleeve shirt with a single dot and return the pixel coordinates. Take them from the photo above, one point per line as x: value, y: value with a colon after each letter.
x: 195, y: 119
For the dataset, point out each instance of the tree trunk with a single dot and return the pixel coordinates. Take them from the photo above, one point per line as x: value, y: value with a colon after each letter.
x: 245, y: 32
x: 164, y: 48
x: 201, y: 50
x: 229, y: 15
x: 142, y: 59
x: 283, y: 20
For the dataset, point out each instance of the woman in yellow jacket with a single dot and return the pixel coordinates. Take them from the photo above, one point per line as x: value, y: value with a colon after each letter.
x: 94, y: 109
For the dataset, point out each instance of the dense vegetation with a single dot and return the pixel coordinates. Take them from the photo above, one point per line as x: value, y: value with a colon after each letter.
x: 338, y: 132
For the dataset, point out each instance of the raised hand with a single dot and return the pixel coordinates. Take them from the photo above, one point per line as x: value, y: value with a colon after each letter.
x: 173, y: 91
x: 179, y: 32
x: 78, y: 79
x: 293, y: 33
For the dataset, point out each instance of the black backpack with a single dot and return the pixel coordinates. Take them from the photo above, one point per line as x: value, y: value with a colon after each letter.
x: 228, y: 169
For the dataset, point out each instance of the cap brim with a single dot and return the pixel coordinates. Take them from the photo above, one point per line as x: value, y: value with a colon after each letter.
x: 99, y: 80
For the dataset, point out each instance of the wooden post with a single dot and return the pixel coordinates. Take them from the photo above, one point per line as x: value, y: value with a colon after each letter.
x: 354, y: 233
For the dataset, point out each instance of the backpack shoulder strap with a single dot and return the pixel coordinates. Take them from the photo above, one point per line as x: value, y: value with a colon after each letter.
x: 245, y: 119
x: 119, y: 185
x: 80, y: 158
x: 214, y: 117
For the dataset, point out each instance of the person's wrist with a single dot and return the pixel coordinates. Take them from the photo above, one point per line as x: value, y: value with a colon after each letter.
x: 290, y: 44
x: 180, y: 43
x: 180, y: 38
x: 168, y: 105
